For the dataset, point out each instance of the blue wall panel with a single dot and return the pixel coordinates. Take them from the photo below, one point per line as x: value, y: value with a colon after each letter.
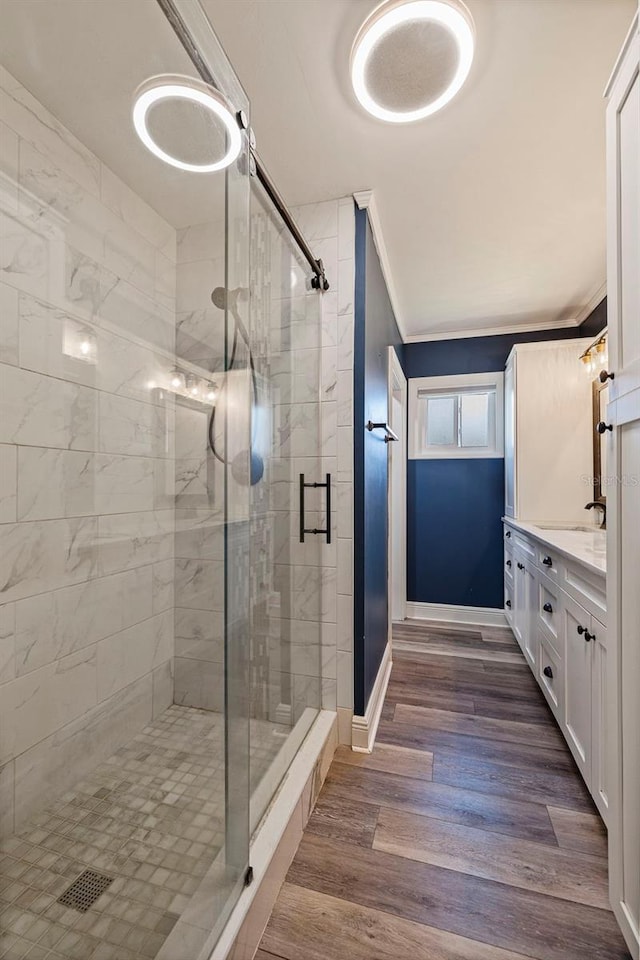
x: 454, y: 533
x: 375, y: 329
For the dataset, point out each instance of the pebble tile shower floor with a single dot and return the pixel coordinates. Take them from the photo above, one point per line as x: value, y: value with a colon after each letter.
x: 151, y: 817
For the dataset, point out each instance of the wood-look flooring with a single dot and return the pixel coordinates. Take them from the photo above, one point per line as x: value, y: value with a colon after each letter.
x: 467, y: 834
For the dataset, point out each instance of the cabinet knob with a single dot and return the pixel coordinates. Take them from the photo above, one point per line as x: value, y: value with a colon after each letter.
x: 520, y: 566
x: 603, y: 427
x: 548, y: 672
x: 580, y: 629
x: 548, y: 562
x: 508, y: 603
x: 508, y: 534
x: 547, y: 608
x: 603, y: 376
x: 589, y: 636
x: 508, y: 563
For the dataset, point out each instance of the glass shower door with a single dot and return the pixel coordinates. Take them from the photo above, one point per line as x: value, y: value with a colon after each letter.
x: 124, y: 539
x: 288, y: 502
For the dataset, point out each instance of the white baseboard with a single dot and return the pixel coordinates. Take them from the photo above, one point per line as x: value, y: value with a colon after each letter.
x: 482, y: 616
x: 364, y: 729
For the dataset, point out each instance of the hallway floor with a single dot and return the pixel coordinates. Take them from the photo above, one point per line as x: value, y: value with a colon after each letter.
x: 467, y: 834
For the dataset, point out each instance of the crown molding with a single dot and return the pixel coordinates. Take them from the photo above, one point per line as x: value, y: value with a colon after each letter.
x: 492, y: 331
x: 628, y: 40
x: 365, y: 200
x: 592, y: 303
x: 495, y: 331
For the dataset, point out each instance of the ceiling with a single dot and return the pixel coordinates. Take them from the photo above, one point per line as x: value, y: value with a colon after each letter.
x: 492, y: 212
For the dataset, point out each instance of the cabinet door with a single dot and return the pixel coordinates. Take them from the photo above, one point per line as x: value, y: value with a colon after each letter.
x: 576, y: 628
x: 510, y: 439
x: 599, y: 755
x: 530, y: 634
x: 623, y: 494
x: 519, y: 600
x: 525, y: 587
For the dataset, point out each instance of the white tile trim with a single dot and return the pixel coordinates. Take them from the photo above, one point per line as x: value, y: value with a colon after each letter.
x: 364, y: 729
x: 365, y: 200
x: 450, y: 613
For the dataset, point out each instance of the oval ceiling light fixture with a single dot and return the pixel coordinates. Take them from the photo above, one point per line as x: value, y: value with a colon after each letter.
x: 217, y: 124
x: 411, y: 57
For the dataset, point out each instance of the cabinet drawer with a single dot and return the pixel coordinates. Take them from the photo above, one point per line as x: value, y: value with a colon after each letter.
x: 549, y: 614
x: 550, y: 676
x: 589, y: 589
x: 525, y: 546
x: 548, y: 562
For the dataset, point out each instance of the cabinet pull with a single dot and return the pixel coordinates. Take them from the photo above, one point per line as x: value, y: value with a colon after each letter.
x: 548, y: 672
x: 508, y: 603
x: 589, y: 636
x: 508, y: 534
x: 508, y: 563
x: 580, y: 629
x: 604, y: 376
x: 548, y: 608
x: 603, y: 427
x: 548, y: 562
x: 520, y: 566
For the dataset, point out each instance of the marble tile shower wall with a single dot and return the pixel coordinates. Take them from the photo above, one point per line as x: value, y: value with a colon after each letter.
x: 330, y: 229
x: 87, y: 327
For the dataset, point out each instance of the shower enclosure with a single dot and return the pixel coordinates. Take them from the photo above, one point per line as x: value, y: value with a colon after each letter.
x: 159, y: 385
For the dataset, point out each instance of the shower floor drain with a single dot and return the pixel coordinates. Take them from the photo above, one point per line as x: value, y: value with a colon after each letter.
x: 85, y: 890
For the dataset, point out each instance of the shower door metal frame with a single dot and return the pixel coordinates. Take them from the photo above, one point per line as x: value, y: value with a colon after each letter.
x: 174, y: 10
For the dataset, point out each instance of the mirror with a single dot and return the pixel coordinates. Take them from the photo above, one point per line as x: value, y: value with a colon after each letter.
x: 600, y: 397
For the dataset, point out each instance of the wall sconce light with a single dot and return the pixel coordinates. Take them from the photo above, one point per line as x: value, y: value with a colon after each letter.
x: 596, y: 354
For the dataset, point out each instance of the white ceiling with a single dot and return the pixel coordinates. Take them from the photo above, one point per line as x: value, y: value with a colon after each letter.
x: 492, y: 211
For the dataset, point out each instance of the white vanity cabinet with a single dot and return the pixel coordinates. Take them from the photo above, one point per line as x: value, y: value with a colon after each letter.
x: 558, y: 616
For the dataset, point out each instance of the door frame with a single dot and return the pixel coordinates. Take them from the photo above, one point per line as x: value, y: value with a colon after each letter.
x: 397, y: 383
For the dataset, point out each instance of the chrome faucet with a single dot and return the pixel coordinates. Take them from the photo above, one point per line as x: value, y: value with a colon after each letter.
x: 603, y: 507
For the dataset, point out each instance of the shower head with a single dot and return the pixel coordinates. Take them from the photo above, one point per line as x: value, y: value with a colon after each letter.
x: 219, y: 298
x: 223, y: 298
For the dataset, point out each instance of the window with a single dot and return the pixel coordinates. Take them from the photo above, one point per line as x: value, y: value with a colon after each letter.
x: 456, y: 416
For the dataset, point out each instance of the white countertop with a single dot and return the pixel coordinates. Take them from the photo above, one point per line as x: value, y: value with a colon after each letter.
x: 588, y: 547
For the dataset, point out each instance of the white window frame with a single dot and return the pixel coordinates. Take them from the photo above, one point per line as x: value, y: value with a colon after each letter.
x: 420, y: 385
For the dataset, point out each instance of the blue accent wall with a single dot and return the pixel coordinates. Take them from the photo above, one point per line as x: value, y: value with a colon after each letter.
x: 454, y: 507
x: 375, y: 329
x: 454, y: 536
